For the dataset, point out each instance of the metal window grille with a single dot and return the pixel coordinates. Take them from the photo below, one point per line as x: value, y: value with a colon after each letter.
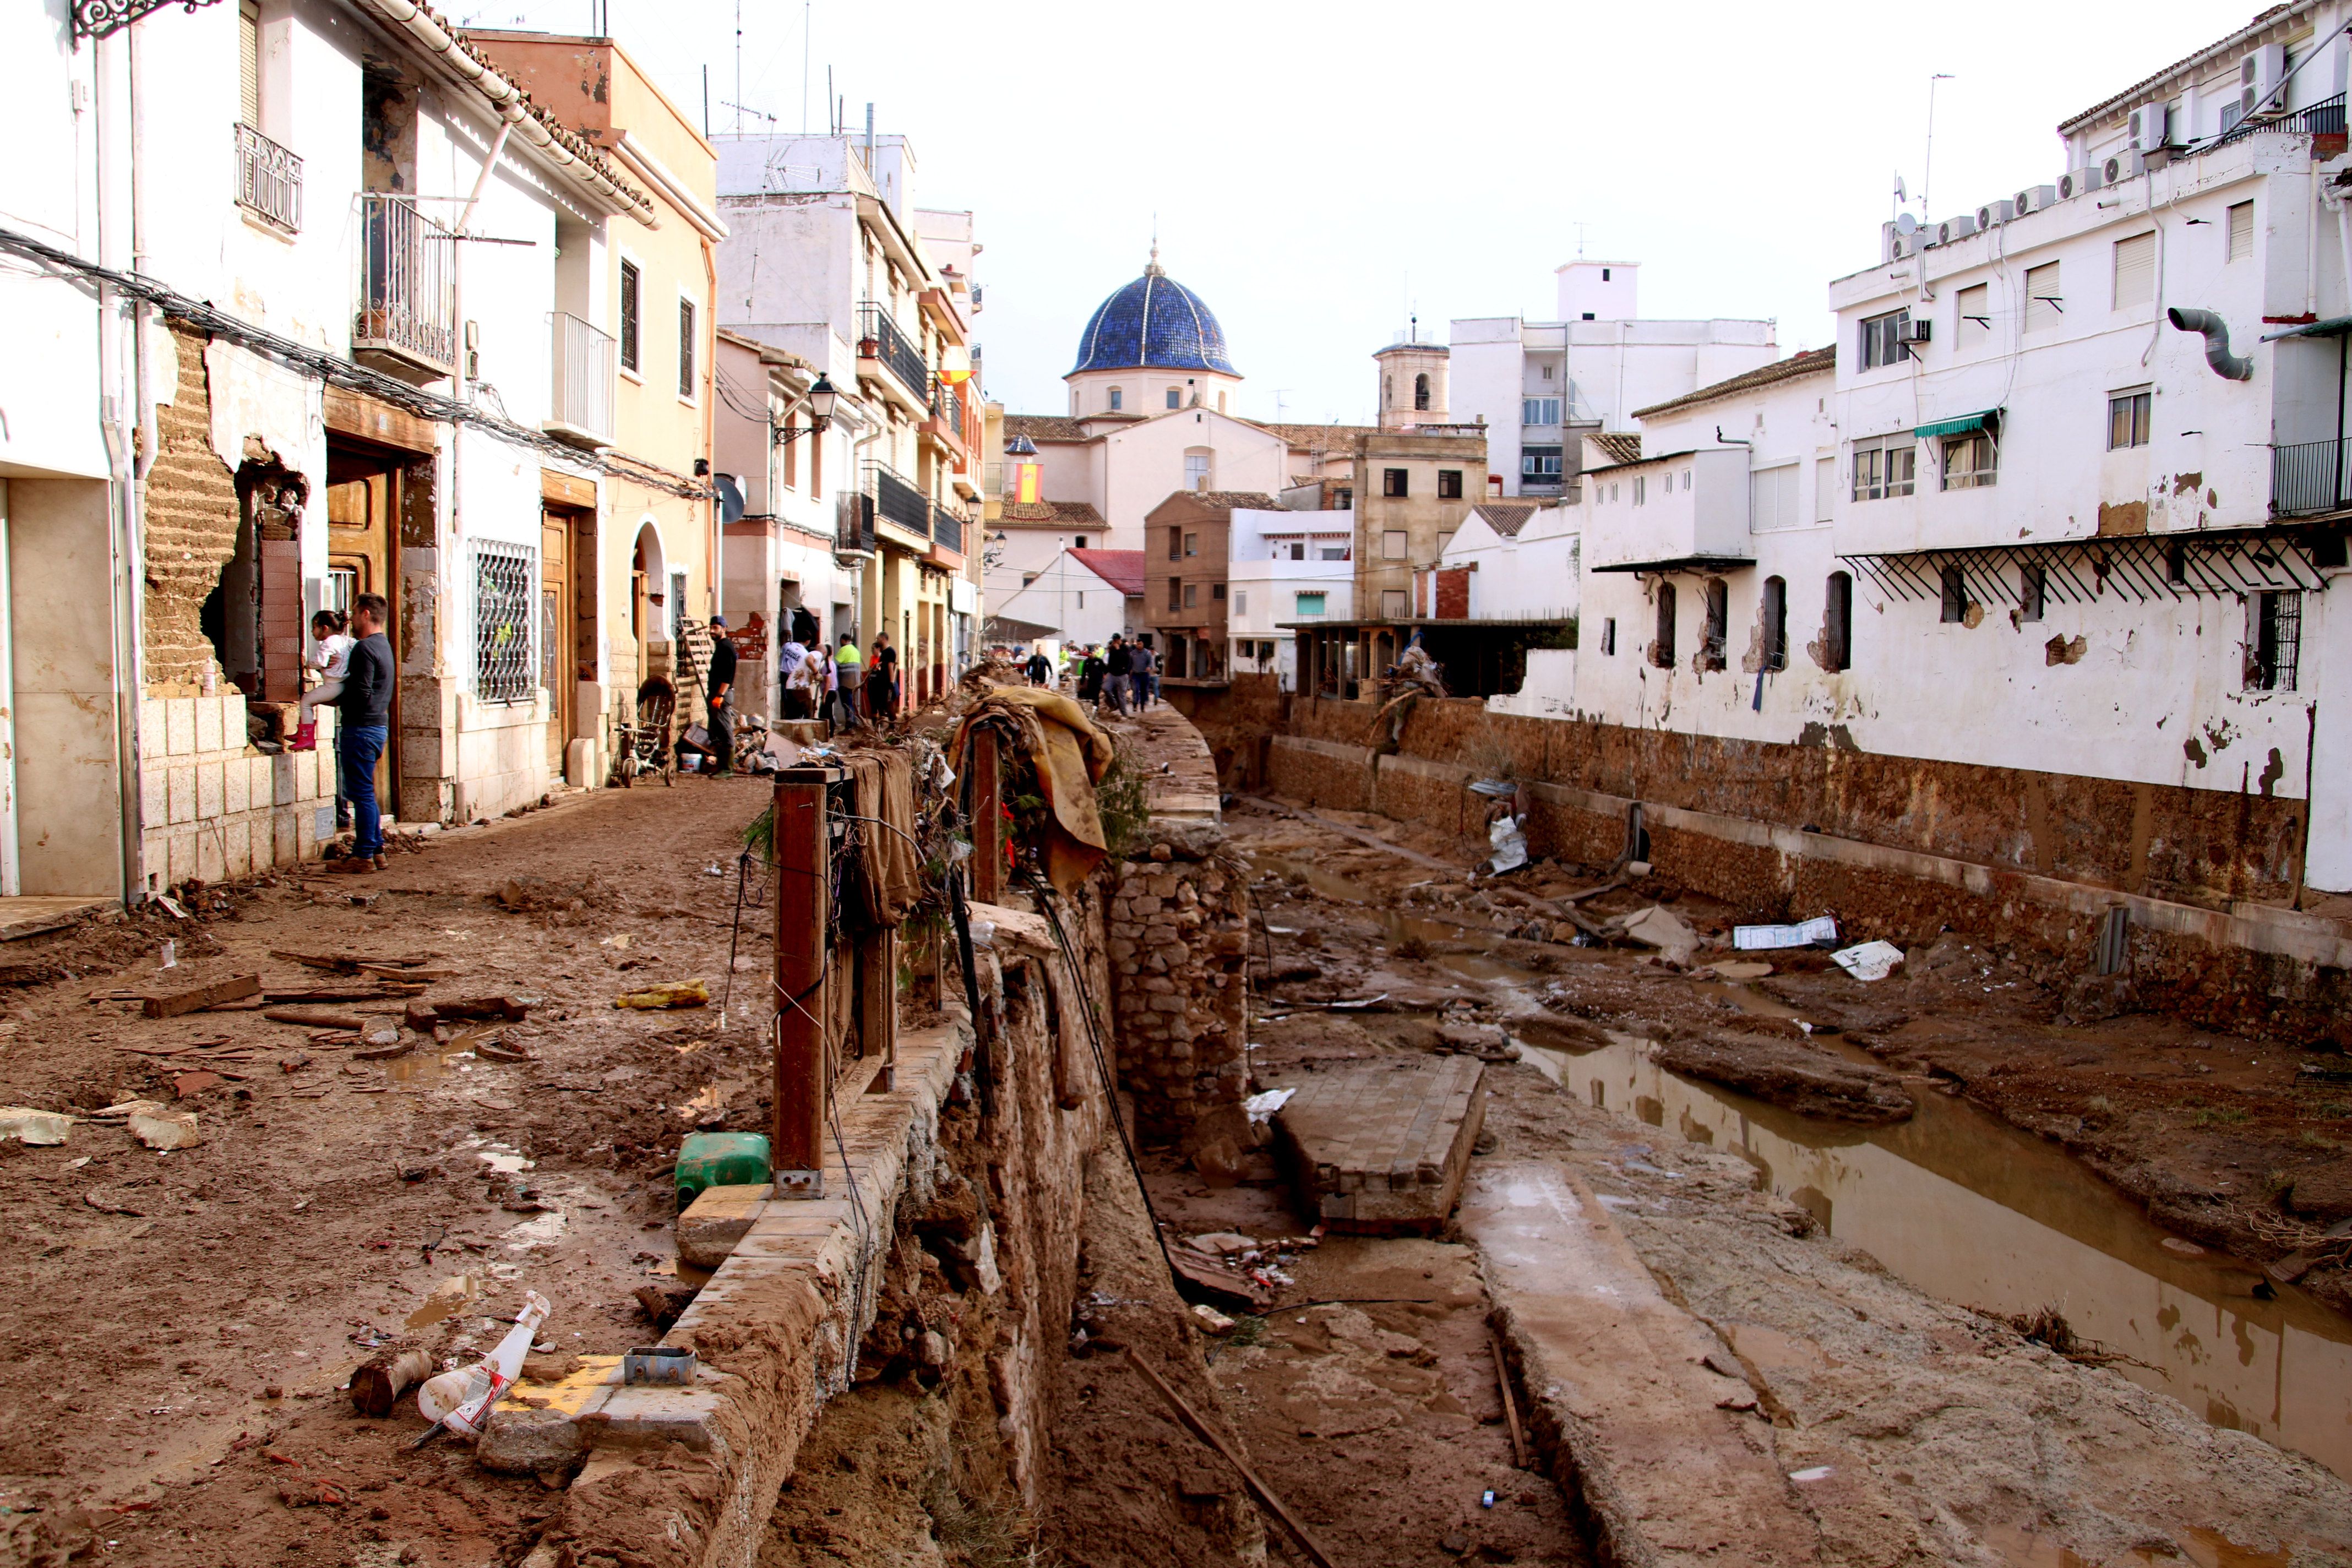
x: 268, y: 179
x: 2278, y: 642
x: 505, y: 605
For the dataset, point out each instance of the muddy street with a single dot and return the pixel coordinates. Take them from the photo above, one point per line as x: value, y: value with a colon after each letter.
x: 1961, y: 1336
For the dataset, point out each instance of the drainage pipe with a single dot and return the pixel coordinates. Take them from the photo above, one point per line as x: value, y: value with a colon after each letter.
x: 2216, y: 332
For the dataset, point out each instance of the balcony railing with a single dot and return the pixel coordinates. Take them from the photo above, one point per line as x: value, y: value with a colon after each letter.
x: 879, y: 338
x: 406, y: 310
x: 898, y: 502
x: 2311, y: 477
x: 854, y: 523
x: 947, y: 530
x: 268, y: 180
x: 580, y: 384
x: 2325, y: 118
x: 946, y: 406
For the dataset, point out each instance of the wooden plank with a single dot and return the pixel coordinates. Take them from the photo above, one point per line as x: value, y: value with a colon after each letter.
x: 170, y: 1005
x: 1257, y: 1488
x: 1510, y: 1402
x: 802, y: 999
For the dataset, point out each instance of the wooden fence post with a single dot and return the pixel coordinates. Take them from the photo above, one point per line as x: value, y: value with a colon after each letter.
x: 803, y: 847
x: 987, y: 820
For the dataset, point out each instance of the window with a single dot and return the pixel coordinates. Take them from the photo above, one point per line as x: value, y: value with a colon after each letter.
x: 1609, y: 636
x: 1971, y: 461
x: 2127, y: 415
x: 1449, y: 484
x: 1393, y: 482
x: 1216, y: 591
x: 1175, y: 543
x: 1331, y: 552
x: 2135, y: 270
x: 1717, y: 633
x: 1175, y: 592
x: 1192, y: 595
x: 1118, y: 398
x: 1392, y: 544
x: 1241, y: 601
x: 1885, y: 467
x: 1956, y: 594
x: 1882, y: 339
x: 1772, y: 498
x: 1191, y: 545
x: 1444, y: 538
x: 506, y: 601
x: 1175, y: 398
x: 1604, y: 275
x: 1082, y: 598
x: 1027, y: 578
x: 1776, y: 623
x: 686, y: 347
x: 1837, y: 622
x: 1539, y: 465
x: 1307, y: 603
x: 1081, y: 543
x: 1662, y: 650
x: 2032, y: 592
x: 2045, y: 302
x: 1421, y: 391
x: 1641, y: 487
x: 1298, y: 549
x: 1974, y: 326
x: 2277, y: 641
x: 631, y: 293
x: 1825, y: 488
x: 1344, y: 498
x: 2241, y: 231
x: 1221, y: 402
x: 1547, y: 370
x: 1196, y: 470
x: 248, y: 62
x: 1538, y: 410
x: 1392, y: 603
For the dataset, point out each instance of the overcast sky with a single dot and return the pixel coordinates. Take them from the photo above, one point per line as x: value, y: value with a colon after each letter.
x: 1318, y: 170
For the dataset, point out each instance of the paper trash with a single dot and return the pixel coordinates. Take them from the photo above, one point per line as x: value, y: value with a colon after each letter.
x: 1510, y: 847
x: 1871, y: 960
x: 1262, y: 1106
x: 1763, y: 939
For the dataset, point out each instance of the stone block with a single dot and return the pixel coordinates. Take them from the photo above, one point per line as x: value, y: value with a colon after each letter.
x: 208, y: 725
x: 650, y: 1416
x: 285, y: 846
x: 153, y: 736
x: 237, y: 793
x: 181, y: 785
x: 212, y: 860
x: 281, y: 778
x: 717, y: 1220
x: 1146, y: 905
x: 183, y: 862
x: 305, y: 834
x: 180, y: 726
x: 261, y: 790
x: 536, y: 1426
x: 236, y: 846
x: 211, y: 790
x: 154, y: 793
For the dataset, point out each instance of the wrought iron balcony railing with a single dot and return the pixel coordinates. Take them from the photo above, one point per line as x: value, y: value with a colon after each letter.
x: 879, y: 338
x: 895, y: 501
x: 580, y: 383
x: 268, y: 180
x: 405, y: 308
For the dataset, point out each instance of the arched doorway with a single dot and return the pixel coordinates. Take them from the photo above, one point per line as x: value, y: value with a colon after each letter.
x: 649, y: 609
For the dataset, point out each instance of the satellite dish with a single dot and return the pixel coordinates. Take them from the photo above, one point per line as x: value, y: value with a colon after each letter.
x: 1905, y: 224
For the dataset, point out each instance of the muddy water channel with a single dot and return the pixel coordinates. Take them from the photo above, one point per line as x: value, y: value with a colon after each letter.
x: 1969, y: 1208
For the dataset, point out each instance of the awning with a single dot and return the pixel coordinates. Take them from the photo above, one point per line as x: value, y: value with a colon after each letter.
x: 2336, y: 326
x: 1989, y: 419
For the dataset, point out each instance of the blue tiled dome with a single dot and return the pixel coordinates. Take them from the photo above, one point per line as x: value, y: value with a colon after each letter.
x: 1154, y: 322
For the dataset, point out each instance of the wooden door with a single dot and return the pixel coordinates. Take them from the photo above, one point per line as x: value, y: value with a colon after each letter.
x: 556, y: 614
x: 363, y: 508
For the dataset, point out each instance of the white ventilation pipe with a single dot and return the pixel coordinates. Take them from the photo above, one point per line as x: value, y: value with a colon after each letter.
x: 2217, y: 342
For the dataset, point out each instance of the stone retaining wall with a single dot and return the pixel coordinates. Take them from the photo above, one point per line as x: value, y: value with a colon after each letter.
x: 1179, y: 940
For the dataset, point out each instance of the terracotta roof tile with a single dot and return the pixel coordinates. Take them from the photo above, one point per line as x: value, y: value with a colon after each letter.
x: 1620, y: 447
x: 1064, y: 513
x: 1316, y: 438
x: 1122, y: 569
x: 1812, y: 362
x: 1505, y: 517
x: 1044, y: 427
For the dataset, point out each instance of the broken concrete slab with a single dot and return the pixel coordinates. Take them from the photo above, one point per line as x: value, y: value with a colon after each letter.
x: 1618, y: 1387
x: 536, y: 1426
x: 717, y: 1219
x: 1383, y: 1145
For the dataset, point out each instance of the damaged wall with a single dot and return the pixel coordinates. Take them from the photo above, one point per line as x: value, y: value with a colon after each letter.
x: 1179, y: 940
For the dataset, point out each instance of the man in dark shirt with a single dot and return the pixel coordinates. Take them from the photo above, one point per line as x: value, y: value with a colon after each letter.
x: 718, y: 685
x: 1039, y: 667
x: 365, y: 719
x: 1116, y: 665
x: 1090, y: 676
x: 882, y: 681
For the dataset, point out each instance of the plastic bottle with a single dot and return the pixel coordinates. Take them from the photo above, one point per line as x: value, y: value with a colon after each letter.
x: 459, y: 1400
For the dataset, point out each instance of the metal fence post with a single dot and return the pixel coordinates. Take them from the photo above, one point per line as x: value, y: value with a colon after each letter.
x: 804, y: 848
x: 987, y: 820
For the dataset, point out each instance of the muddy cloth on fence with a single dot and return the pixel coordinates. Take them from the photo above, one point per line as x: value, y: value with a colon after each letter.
x: 1067, y: 754
x: 889, y: 880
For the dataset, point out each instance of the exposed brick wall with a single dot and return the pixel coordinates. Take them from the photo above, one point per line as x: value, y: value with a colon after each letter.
x: 2163, y: 840
x: 1179, y: 943
x: 192, y: 519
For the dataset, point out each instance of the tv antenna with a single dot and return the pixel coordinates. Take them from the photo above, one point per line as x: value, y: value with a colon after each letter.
x: 1926, y: 174
x: 1580, y: 239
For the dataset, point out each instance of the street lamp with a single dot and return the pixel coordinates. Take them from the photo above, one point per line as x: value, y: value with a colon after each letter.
x: 821, y: 400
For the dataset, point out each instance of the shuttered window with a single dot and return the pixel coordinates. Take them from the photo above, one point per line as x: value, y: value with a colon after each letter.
x: 2045, y: 305
x: 248, y: 62
x: 1974, y: 326
x: 1825, y: 488
x: 1772, y: 498
x: 2241, y: 231
x: 2135, y: 270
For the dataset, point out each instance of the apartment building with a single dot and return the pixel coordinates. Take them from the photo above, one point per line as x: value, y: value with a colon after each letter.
x: 830, y: 261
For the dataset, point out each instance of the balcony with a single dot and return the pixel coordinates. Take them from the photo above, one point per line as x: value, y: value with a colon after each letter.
x: 2311, y: 477
x: 405, y: 323
x: 580, y: 381
x: 269, y: 181
x: 879, y: 342
x: 945, y: 423
x: 1677, y: 513
x: 853, y: 523
x: 947, y: 530
x: 899, y: 503
x: 2325, y: 118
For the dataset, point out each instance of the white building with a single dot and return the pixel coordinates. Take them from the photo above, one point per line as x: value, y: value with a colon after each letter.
x: 1286, y: 567
x: 1086, y: 597
x: 1538, y: 385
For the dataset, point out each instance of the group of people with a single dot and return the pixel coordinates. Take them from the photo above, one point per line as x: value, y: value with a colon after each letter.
x: 353, y: 662
x: 1122, y: 675
x: 843, y: 688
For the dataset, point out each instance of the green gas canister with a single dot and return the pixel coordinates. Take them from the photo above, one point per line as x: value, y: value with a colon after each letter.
x: 720, y: 1160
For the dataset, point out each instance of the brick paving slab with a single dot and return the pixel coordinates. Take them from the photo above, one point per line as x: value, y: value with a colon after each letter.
x: 1383, y: 1145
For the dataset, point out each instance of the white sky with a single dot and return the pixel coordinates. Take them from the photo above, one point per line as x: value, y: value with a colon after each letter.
x: 1315, y: 168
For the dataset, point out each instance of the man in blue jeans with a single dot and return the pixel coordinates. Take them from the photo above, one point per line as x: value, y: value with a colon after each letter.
x: 365, y: 714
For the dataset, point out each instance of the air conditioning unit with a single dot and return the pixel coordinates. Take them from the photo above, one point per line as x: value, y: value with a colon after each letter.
x: 2121, y: 167
x: 2074, y: 181
x: 1992, y: 212
x: 1903, y: 246
x: 2258, y: 75
x: 1953, y: 229
x: 2036, y: 198
x: 1886, y: 251
x: 2151, y: 127
x: 1912, y: 330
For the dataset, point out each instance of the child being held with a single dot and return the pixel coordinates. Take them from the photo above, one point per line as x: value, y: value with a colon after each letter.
x: 331, y: 656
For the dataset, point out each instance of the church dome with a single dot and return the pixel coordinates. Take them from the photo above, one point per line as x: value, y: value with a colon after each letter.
x: 1153, y: 324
